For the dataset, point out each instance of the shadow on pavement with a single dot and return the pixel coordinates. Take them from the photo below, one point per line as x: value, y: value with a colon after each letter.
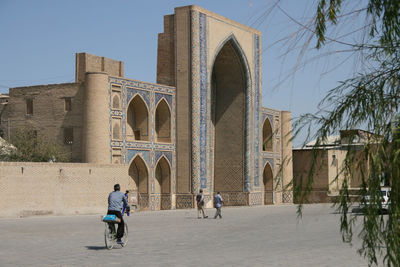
x: 96, y: 247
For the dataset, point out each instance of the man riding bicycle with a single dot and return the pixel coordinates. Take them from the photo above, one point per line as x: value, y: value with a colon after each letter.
x: 116, y: 201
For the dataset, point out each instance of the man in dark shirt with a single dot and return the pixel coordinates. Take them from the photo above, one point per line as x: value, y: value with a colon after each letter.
x: 116, y: 201
x: 200, y: 204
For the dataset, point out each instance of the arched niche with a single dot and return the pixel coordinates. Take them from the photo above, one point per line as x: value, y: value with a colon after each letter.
x: 137, y: 120
x: 229, y: 84
x: 139, y: 173
x: 116, y: 130
x: 163, y: 177
x: 116, y: 103
x: 268, y: 182
x: 267, y: 136
x: 163, y: 122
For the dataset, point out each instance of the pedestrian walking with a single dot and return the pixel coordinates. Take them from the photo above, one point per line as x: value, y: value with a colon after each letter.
x: 218, y: 201
x: 200, y: 204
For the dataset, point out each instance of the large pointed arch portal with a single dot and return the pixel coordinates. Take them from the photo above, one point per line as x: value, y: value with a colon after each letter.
x: 229, y: 86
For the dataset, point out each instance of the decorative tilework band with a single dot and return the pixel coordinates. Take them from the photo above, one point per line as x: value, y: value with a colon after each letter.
x: 203, y: 99
x: 195, y: 100
x: 256, y: 108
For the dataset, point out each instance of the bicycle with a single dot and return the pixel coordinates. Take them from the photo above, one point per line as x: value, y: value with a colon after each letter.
x: 110, y: 233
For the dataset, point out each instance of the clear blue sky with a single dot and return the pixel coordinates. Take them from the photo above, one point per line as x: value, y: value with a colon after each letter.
x: 39, y: 40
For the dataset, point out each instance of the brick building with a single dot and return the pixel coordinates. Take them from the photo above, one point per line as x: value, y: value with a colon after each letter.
x: 201, y: 126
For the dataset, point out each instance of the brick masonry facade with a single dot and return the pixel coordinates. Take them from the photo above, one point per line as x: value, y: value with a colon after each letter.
x: 201, y: 126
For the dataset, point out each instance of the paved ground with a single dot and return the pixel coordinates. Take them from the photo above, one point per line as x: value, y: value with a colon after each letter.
x: 250, y: 236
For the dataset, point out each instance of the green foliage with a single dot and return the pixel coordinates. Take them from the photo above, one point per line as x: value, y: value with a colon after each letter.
x: 370, y: 99
x: 28, y: 147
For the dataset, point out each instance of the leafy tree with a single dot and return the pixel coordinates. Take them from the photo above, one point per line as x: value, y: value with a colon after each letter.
x: 28, y: 147
x: 371, y: 100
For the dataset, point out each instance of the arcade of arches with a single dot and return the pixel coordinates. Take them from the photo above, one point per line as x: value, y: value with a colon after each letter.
x: 138, y: 172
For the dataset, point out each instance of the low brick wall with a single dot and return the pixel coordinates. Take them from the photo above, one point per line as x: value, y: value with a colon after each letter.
x: 28, y: 189
x: 317, y: 197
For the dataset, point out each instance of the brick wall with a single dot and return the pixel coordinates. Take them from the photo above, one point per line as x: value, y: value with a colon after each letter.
x: 91, y: 63
x: 49, y: 117
x: 302, y: 162
x: 58, y: 189
x: 166, y: 53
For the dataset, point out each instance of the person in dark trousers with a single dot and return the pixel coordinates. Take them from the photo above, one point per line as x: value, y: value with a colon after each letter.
x: 116, y: 201
x: 218, y: 201
x: 127, y: 208
x: 200, y: 204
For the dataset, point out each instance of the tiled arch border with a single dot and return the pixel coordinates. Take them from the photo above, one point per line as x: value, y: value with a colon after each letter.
x: 200, y: 114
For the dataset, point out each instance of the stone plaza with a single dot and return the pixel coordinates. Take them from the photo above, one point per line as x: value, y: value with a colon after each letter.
x: 246, y: 236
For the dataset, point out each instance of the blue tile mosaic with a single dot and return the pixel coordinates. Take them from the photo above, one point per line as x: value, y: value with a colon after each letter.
x: 167, y: 154
x: 203, y: 99
x: 270, y: 117
x: 271, y: 162
x: 158, y: 96
x: 144, y: 94
x: 146, y: 149
x: 144, y: 154
x: 256, y: 108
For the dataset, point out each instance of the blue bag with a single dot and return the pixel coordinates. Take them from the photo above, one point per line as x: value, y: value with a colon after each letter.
x: 111, y: 218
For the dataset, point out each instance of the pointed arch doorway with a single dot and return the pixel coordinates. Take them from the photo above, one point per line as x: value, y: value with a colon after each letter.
x: 268, y: 182
x: 138, y: 171
x: 162, y: 185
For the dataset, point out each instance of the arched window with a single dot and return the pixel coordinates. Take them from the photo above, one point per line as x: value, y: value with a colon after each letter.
x: 137, y: 120
x: 267, y: 135
x: 163, y: 122
x: 116, y: 131
x: 116, y: 102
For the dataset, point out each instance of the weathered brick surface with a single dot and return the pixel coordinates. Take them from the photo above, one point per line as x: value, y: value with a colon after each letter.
x: 57, y: 188
x: 49, y: 117
x: 229, y: 105
x: 183, y: 99
x: 91, y: 63
x: 166, y: 53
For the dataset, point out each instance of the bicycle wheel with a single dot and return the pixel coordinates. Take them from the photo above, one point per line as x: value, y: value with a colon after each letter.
x: 125, y: 236
x: 109, y: 238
